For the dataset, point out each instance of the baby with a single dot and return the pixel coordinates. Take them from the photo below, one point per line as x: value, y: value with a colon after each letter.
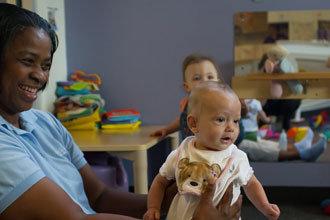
x: 214, y: 111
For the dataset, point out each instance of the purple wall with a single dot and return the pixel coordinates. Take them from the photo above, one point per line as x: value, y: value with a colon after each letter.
x: 138, y: 46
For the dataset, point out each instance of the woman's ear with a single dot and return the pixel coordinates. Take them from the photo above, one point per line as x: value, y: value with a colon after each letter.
x: 192, y: 123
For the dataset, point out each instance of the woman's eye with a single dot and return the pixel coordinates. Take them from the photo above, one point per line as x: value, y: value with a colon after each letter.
x: 27, y: 62
x: 210, y: 77
x: 236, y: 121
x: 46, y: 67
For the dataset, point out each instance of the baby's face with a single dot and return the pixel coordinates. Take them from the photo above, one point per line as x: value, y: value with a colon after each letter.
x: 199, y: 72
x: 217, y: 122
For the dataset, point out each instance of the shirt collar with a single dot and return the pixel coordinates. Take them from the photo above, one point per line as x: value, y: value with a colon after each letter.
x: 28, y: 120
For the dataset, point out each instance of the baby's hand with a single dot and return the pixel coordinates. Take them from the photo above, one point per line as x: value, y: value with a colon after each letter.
x: 269, y: 66
x: 159, y: 133
x: 152, y: 214
x: 272, y: 211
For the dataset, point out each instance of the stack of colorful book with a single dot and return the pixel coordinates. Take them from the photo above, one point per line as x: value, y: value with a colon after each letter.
x: 121, y: 119
x: 78, y: 105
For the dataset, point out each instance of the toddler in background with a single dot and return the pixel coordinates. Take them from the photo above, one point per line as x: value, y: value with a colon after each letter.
x: 250, y: 121
x: 196, y: 68
x: 214, y: 111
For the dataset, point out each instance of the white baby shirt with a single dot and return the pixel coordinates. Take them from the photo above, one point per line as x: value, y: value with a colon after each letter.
x: 239, y: 172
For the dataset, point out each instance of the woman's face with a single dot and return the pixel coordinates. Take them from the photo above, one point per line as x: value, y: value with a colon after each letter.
x: 25, y: 70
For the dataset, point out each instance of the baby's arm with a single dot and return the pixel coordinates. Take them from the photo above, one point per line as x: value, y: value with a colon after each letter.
x: 257, y: 196
x: 170, y: 128
x: 263, y: 117
x: 155, y: 197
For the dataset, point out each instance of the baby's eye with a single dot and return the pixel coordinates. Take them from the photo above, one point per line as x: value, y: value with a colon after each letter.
x: 204, y: 180
x: 236, y: 121
x: 210, y: 77
x: 196, y: 78
x: 221, y: 119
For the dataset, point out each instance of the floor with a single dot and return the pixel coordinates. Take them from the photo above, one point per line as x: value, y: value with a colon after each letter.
x: 294, y: 203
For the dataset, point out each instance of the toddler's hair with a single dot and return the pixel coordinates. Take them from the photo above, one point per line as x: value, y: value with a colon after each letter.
x: 198, y: 58
x: 207, y: 86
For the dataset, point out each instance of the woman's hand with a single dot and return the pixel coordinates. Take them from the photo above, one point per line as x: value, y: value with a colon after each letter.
x: 223, y: 211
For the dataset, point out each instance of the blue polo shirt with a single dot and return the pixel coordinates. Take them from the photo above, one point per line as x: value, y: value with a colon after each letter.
x: 43, y: 148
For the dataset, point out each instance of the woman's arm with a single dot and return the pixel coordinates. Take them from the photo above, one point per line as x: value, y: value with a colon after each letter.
x: 223, y: 211
x: 105, y: 200
x: 46, y: 200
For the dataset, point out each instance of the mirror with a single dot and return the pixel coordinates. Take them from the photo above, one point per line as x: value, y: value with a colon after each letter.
x: 304, y: 34
x: 300, y: 38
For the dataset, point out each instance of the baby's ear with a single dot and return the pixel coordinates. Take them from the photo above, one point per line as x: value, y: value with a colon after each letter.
x: 192, y: 123
x: 183, y: 163
x: 186, y: 87
x: 216, y: 169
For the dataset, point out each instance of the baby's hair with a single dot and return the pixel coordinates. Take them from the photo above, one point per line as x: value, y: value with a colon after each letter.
x: 277, y: 52
x: 262, y: 62
x: 14, y: 20
x: 198, y: 58
x: 195, y: 99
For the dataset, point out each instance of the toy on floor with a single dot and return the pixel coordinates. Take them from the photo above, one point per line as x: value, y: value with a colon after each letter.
x: 297, y: 133
x: 325, y: 205
x: 319, y: 120
x: 278, y: 60
x: 267, y: 132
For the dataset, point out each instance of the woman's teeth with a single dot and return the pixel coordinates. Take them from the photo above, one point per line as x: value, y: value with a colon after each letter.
x: 28, y: 88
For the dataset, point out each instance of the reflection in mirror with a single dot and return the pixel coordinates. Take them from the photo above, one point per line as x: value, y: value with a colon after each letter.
x: 305, y: 35
x: 286, y: 42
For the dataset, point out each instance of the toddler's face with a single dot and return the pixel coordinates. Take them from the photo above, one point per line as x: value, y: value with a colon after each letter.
x: 199, y: 72
x: 217, y: 123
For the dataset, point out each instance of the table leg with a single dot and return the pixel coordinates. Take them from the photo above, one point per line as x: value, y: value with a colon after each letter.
x: 140, y: 168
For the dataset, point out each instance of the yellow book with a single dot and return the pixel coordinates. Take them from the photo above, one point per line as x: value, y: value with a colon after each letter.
x: 121, y: 126
x: 85, y: 126
x: 83, y: 120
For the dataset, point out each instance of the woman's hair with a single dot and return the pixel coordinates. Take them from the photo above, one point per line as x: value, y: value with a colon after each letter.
x: 198, y: 58
x: 14, y: 20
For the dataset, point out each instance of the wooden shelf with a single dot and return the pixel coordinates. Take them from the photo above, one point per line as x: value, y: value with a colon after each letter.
x: 257, y: 85
x: 288, y: 76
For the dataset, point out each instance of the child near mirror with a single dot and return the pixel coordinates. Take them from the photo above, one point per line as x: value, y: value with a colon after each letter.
x: 214, y: 112
x: 196, y: 68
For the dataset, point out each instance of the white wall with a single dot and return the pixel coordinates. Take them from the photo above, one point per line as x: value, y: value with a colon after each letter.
x: 59, y: 68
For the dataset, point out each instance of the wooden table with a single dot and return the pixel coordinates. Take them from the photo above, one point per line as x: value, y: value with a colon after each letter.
x: 131, y: 145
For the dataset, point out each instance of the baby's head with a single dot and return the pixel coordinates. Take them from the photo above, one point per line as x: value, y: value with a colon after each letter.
x: 214, y: 111
x: 277, y: 53
x: 199, y: 68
